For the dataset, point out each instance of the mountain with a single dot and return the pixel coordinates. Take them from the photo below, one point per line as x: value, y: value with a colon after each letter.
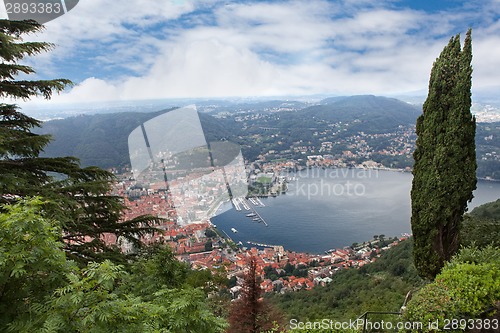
x: 102, y: 139
x: 490, y: 210
x: 280, y: 126
x: 377, y: 113
x: 482, y: 226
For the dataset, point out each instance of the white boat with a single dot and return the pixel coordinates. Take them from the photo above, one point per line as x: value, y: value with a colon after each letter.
x: 234, y: 230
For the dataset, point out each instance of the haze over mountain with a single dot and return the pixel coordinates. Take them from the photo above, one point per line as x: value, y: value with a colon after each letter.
x: 381, y: 113
x: 102, y: 139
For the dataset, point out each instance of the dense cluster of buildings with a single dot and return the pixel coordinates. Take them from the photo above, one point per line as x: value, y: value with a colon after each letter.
x: 348, y: 150
x: 203, y: 248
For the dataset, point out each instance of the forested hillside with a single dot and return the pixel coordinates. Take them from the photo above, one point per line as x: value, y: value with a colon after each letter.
x: 379, y: 286
x: 102, y: 139
x: 482, y: 226
x: 383, y: 124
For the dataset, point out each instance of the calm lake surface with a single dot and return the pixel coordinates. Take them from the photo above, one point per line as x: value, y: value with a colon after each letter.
x: 332, y: 208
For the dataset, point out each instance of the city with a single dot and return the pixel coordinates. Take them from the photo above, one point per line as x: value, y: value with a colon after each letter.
x: 204, y: 247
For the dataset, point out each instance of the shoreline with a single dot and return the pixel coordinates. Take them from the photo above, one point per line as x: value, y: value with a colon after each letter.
x: 390, y: 169
x: 261, y: 246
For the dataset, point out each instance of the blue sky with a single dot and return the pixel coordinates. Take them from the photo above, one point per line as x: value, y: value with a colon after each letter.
x: 138, y: 49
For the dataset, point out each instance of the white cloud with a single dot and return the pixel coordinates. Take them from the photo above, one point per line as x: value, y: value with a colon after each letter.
x: 262, y: 48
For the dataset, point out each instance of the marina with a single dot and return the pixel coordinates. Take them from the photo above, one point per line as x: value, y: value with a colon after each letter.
x: 331, y: 221
x: 249, y: 205
x: 254, y: 214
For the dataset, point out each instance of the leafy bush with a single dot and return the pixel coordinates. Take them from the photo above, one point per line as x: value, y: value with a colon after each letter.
x: 432, y: 303
x: 466, y: 287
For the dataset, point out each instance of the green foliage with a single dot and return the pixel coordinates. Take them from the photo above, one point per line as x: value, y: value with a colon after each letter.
x: 482, y: 226
x: 94, y: 301
x: 474, y: 287
x: 78, y: 198
x: 467, y: 286
x: 472, y: 277
x: 445, y: 159
x: 154, y: 268
x: 480, y: 231
x: 41, y: 291
x: 475, y: 255
x: 31, y: 259
x: 11, y: 51
x: 490, y: 210
x: 430, y: 304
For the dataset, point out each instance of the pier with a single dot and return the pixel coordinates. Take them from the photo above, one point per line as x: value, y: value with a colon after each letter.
x: 252, y: 200
x: 254, y: 211
x: 256, y: 201
x: 261, y: 245
x: 237, y: 201
x: 259, y: 201
x: 260, y: 217
x: 244, y: 202
x: 236, y: 204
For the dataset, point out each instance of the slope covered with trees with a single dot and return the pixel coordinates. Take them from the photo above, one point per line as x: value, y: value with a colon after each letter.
x: 102, y: 139
x: 464, y: 297
x: 379, y: 286
x: 482, y: 226
x: 376, y: 114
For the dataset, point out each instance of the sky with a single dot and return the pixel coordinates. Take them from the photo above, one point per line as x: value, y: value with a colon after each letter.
x: 139, y: 49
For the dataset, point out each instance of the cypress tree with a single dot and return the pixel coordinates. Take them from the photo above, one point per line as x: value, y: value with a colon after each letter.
x: 444, y: 173
x: 79, y: 198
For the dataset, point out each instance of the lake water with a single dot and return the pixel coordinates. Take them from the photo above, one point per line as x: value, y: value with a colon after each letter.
x: 332, y: 208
